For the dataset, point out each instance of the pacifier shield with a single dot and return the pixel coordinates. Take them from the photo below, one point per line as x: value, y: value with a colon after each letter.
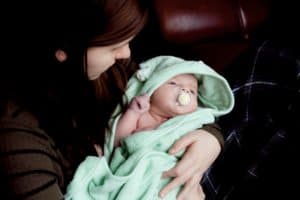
x: 184, y: 98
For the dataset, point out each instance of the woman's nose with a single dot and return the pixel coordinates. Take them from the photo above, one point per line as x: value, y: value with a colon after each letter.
x: 123, y: 52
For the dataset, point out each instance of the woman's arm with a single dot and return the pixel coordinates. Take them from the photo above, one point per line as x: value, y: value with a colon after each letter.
x: 29, y: 169
x: 215, y: 130
x: 202, y: 149
x: 31, y: 166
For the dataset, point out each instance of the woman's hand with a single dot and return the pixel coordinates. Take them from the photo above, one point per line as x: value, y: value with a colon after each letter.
x: 202, y: 148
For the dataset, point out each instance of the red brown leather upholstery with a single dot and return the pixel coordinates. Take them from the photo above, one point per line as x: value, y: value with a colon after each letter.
x: 215, y: 31
x: 189, y: 21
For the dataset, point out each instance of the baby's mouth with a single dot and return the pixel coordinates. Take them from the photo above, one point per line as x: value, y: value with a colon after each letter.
x: 183, y: 98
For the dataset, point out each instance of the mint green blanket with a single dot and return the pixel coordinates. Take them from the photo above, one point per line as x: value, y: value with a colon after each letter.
x: 133, y: 170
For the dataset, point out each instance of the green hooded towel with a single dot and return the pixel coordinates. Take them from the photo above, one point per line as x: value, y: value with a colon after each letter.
x: 133, y: 170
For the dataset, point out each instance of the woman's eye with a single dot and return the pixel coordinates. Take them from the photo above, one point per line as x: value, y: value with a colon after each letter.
x: 192, y: 92
x: 115, y: 49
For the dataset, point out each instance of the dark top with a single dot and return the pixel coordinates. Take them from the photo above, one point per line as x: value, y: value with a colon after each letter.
x: 32, y: 167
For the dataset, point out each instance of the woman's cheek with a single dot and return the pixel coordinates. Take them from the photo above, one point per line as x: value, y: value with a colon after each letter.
x: 95, y: 69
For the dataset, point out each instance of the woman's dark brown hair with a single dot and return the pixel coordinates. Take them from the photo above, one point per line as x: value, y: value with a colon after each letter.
x: 71, y: 108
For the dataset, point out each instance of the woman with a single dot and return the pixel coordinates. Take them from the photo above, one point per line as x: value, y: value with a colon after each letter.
x: 60, y: 93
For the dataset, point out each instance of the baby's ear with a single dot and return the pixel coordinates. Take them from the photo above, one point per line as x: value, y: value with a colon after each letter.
x: 60, y: 55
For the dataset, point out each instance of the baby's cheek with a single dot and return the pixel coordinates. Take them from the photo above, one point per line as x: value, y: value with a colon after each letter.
x: 195, y: 105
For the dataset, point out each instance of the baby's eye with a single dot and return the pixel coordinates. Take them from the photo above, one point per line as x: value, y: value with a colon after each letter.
x: 193, y: 92
x: 172, y: 83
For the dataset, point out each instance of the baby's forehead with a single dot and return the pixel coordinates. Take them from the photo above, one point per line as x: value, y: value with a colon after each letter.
x: 179, y: 77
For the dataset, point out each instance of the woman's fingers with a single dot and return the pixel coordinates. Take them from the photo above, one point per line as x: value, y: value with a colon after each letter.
x: 185, y: 168
x: 180, y: 175
x: 189, y: 187
x: 186, y: 189
x: 174, y: 183
x: 202, y: 148
x: 184, y: 142
x: 201, y: 193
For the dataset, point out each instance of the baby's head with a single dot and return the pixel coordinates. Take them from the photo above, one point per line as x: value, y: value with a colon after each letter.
x: 163, y: 78
x: 178, y: 95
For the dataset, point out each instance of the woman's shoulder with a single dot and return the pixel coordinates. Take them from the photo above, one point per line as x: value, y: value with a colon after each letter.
x: 11, y: 112
x: 26, y: 149
x: 17, y: 124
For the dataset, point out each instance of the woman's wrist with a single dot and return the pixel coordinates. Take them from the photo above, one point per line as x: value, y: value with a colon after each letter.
x: 215, y: 130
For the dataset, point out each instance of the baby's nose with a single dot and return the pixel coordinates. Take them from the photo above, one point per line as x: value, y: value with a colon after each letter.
x: 185, y: 90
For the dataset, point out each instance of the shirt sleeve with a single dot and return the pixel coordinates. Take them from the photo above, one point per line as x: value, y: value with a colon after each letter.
x: 215, y: 130
x: 29, y: 165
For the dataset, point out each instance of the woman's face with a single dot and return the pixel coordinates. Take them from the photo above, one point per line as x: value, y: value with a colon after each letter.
x: 100, y: 58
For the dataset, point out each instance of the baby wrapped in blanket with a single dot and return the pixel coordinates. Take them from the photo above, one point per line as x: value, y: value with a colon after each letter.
x: 169, y: 97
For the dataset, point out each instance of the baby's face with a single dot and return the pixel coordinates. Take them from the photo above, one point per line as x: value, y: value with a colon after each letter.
x: 177, y: 96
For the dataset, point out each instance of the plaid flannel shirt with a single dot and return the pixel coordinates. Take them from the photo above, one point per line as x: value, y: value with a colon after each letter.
x: 259, y: 160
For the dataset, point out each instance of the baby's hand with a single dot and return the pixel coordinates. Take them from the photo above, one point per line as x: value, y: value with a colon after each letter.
x: 140, y: 104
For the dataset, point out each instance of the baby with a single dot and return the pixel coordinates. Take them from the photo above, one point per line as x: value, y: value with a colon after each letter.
x: 177, y: 96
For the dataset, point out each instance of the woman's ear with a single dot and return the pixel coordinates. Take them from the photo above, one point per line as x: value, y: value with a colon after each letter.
x: 61, y: 55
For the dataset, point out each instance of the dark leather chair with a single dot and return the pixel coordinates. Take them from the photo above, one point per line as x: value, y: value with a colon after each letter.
x: 215, y: 31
